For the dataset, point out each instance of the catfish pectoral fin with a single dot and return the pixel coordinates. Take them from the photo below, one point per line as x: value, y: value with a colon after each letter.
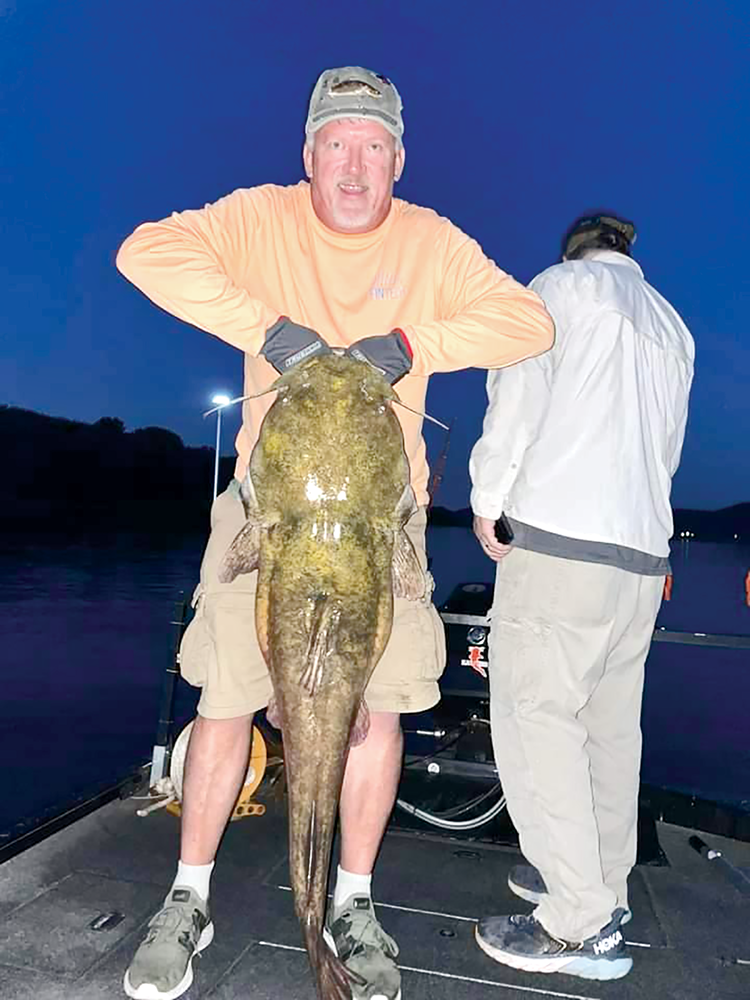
x: 242, y: 554
x: 409, y: 579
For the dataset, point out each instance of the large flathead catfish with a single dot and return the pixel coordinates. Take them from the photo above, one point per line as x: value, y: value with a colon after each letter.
x: 326, y: 497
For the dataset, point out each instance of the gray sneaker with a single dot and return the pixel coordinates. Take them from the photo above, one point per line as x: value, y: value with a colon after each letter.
x: 364, y: 947
x: 162, y: 968
x: 521, y: 942
x: 527, y: 882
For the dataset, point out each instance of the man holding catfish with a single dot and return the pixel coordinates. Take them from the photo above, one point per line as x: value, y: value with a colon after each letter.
x: 285, y: 274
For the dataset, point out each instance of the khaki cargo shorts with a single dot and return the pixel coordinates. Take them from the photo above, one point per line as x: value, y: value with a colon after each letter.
x: 220, y: 653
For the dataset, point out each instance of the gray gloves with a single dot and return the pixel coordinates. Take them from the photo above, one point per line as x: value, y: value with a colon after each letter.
x: 288, y: 343
x: 390, y: 353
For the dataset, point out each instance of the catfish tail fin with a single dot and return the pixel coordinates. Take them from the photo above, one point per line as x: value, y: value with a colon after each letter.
x: 332, y: 978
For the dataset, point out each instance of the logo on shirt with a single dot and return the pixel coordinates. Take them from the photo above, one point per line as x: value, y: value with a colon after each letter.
x: 387, y: 286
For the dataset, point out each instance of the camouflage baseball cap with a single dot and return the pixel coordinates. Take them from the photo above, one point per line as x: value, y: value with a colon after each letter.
x: 589, y: 225
x: 355, y: 92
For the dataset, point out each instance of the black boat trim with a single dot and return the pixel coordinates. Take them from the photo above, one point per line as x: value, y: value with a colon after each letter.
x: 29, y: 838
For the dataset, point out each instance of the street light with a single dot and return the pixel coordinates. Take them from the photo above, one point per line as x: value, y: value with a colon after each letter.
x: 220, y: 400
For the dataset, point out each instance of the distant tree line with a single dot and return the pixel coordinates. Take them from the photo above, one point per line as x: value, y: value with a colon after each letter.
x: 68, y: 477
x: 704, y: 525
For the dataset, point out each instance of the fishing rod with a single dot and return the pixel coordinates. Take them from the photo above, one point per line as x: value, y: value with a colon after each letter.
x: 163, y: 743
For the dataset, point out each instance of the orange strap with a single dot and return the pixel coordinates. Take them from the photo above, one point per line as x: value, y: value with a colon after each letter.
x: 667, y: 595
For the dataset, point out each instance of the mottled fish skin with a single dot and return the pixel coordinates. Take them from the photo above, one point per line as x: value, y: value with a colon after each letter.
x: 326, y: 497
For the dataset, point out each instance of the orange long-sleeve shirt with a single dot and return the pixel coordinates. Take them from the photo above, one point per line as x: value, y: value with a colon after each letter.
x: 235, y: 266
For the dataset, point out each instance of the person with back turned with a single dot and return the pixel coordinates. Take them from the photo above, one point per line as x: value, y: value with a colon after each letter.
x: 578, y: 452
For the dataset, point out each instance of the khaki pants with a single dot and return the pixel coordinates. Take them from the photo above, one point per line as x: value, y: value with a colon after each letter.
x: 568, y: 644
x: 220, y: 653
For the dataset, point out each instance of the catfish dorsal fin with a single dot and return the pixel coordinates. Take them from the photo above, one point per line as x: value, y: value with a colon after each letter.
x: 320, y: 643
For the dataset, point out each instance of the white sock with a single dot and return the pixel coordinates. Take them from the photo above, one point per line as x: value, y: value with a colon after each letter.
x: 195, y: 877
x: 350, y: 884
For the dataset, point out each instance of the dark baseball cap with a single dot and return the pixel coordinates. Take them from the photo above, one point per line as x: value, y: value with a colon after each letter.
x: 591, y: 225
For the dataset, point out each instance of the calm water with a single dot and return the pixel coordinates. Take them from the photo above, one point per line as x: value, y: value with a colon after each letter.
x: 85, y: 638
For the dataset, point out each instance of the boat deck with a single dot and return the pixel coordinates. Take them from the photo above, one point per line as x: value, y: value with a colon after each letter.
x: 73, y: 908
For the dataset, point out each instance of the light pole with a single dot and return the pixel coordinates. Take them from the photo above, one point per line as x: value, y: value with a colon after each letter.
x: 220, y: 401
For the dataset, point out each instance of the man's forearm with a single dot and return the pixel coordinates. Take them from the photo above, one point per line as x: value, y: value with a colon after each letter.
x: 173, y: 264
x: 488, y: 319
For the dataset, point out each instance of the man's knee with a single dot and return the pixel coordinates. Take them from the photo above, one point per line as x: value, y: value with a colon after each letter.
x: 384, y: 729
x: 386, y: 722
x: 217, y: 734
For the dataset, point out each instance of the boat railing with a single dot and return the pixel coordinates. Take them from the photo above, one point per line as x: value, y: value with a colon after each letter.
x: 660, y: 634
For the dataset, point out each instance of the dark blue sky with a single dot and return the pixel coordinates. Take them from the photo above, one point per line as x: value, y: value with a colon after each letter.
x: 519, y: 115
